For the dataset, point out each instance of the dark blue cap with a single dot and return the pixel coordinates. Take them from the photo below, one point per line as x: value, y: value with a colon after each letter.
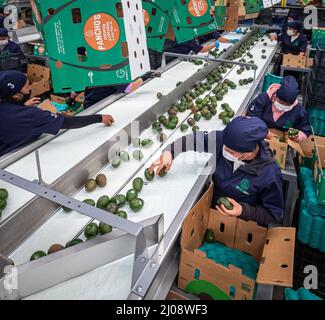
x: 293, y: 16
x: 3, y: 32
x: 11, y: 82
x: 243, y: 134
x: 289, y: 90
x: 296, y: 25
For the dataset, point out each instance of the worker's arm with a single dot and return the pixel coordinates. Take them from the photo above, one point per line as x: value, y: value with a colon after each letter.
x: 84, y: 121
x: 303, y: 45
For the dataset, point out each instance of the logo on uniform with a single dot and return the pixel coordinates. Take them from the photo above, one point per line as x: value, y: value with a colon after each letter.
x: 12, y: 86
x: 252, y: 108
x: 244, y: 186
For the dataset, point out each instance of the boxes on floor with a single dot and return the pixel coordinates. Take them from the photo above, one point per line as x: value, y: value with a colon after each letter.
x: 295, y: 61
x: 273, y: 248
x: 39, y: 78
x: 279, y: 144
x: 93, y: 43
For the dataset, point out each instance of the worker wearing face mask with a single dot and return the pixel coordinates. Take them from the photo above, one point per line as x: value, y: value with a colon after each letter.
x: 292, y: 16
x: 216, y: 35
x: 20, y: 124
x: 244, y: 170
x: 293, y: 41
x: 6, y: 45
x: 279, y: 108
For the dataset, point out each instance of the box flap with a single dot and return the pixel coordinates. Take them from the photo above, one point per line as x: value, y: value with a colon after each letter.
x: 196, y: 222
x: 276, y: 267
x: 46, y: 105
x: 224, y: 227
x: 250, y: 238
x: 36, y: 72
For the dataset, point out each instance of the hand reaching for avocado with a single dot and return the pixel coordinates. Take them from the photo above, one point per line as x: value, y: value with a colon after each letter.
x: 107, y: 120
x: 236, y: 211
x: 164, y: 163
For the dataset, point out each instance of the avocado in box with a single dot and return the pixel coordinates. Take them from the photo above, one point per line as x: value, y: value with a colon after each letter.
x: 93, y: 43
x: 39, y: 78
x: 270, y: 251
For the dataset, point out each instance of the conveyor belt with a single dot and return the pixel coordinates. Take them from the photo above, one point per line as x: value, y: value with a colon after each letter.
x: 167, y: 194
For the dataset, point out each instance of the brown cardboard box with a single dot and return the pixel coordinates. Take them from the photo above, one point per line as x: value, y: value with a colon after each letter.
x: 173, y: 295
x: 273, y: 247
x: 309, y: 62
x: 46, y: 105
x: 57, y: 99
x: 39, y: 78
x: 231, y: 22
x: 296, y: 61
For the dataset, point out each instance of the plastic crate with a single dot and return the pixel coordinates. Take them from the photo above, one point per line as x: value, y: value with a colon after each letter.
x: 314, y: 99
x: 270, y: 79
x: 318, y: 75
x: 316, y: 89
x: 320, y: 55
x: 307, y: 256
x: 317, y: 121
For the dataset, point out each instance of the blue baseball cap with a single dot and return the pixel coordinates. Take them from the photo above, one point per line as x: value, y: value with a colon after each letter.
x: 11, y: 82
x: 3, y: 32
x: 243, y: 134
x: 296, y: 25
x: 289, y: 90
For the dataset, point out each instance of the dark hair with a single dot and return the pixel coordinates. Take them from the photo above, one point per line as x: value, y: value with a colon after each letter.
x: 2, y: 10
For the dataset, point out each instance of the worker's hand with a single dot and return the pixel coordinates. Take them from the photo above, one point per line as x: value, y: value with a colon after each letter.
x: 301, y: 136
x: 238, y: 31
x: 217, y: 44
x: 235, y: 212
x: 234, y: 40
x: 33, y: 102
x: 107, y: 119
x: 165, y: 160
x: 273, y: 36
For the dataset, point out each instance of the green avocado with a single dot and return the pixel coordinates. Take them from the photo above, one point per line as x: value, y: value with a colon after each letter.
x: 112, y: 208
x: 131, y: 194
x: 119, y: 199
x: 3, y: 204
x: 38, y: 254
x: 146, y: 143
x: 4, y: 194
x: 136, y: 143
x: 136, y: 204
x: 197, y: 117
x: 137, y: 155
x: 90, y: 185
x: 224, y: 201
x: 91, y: 230
x: 116, y: 162
x: 209, y: 236
x: 149, y: 176
x: 91, y: 202
x: 102, y: 202
x: 184, y: 127
x: 137, y: 184
x: 122, y: 214
x: 73, y: 242
x: 292, y: 132
x: 124, y: 156
x: 195, y: 129
x: 104, y: 228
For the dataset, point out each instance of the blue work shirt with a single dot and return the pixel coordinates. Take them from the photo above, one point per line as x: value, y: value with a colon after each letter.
x: 261, y: 107
x: 210, y: 36
x: 11, y: 47
x: 257, y: 185
x: 293, y: 47
x: 2, y: 20
x: 20, y: 125
x: 94, y: 95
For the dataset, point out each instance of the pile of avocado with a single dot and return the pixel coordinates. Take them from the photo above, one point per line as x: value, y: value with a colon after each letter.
x: 3, y: 200
x: 243, y: 82
x: 227, y: 114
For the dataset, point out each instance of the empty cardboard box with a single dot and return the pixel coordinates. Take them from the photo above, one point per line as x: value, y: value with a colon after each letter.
x: 273, y: 248
x: 294, y: 61
x: 39, y: 78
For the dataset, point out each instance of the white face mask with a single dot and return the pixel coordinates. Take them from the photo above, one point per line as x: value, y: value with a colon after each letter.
x: 227, y: 155
x: 282, y: 107
x: 290, y: 33
x: 3, y: 42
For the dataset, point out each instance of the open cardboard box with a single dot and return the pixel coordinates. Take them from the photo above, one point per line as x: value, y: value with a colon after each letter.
x: 39, y: 78
x: 295, y: 61
x: 273, y: 248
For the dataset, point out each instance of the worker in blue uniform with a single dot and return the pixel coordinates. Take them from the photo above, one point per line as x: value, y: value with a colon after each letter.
x: 6, y: 45
x: 94, y: 95
x: 293, y: 41
x: 21, y: 124
x: 243, y: 169
x: 292, y: 16
x: 2, y: 17
x: 279, y: 108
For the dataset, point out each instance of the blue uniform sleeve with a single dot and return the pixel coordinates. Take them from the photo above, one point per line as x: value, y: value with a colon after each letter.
x: 45, y: 122
x: 14, y: 47
x: 303, y: 43
x: 120, y: 88
x: 256, y: 107
x: 216, y: 35
x: 303, y: 123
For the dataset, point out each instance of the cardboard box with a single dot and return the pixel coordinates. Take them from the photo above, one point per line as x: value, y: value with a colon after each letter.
x: 273, y: 248
x: 39, y: 78
x: 93, y: 43
x: 192, y: 18
x: 46, y: 105
x: 173, y: 295
x: 309, y: 62
x: 231, y: 20
x: 157, y: 18
x: 295, y: 61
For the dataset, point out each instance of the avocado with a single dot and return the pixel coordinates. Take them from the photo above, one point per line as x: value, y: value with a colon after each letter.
x: 136, y: 142
x: 184, y: 127
x: 191, y: 122
x: 162, y: 119
x: 119, y: 199
x: 292, y: 132
x: 146, y: 143
x: 137, y: 155
x: 223, y: 114
x: 195, y: 129
x: 131, y: 194
x: 73, y: 242
x: 112, y: 208
x: 195, y: 109
x: 149, y: 176
x: 104, y: 228
x: 225, y: 106
x: 66, y: 209
x: 55, y: 248
x: 209, y: 236
x: 101, y: 180
x: 124, y: 156
x: 208, y: 116
x: 178, y: 83
x: 4, y: 194
x: 159, y: 95
x: 136, y: 204
x: 37, y: 255
x: 3, y: 204
x: 102, y: 202
x: 225, y: 120
x: 163, y: 172
x: 91, y: 202
x: 263, y: 56
x: 90, y: 185
x: 116, y: 162
x: 224, y: 201
x: 91, y: 230
x: 161, y: 137
x: 264, y: 44
x: 137, y: 184
x: 122, y: 214
x: 263, y: 50
x: 197, y: 117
